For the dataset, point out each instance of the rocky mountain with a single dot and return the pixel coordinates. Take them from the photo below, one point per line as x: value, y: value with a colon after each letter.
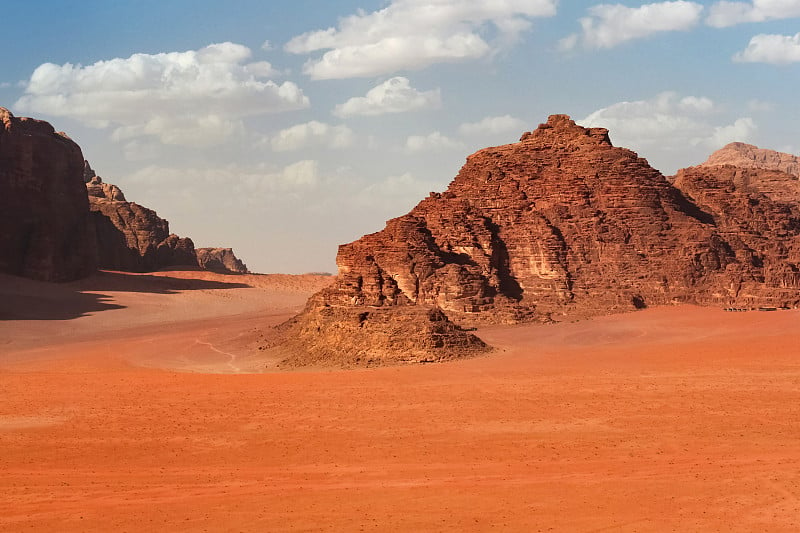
x: 46, y: 232
x: 220, y: 260
x: 748, y: 156
x: 131, y: 237
x: 561, y: 224
x: 757, y: 212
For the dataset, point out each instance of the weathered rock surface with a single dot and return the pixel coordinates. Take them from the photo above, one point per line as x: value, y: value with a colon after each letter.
x: 133, y: 238
x: 220, y: 260
x: 372, y: 336
x: 45, y: 226
x: 748, y: 156
x: 560, y: 224
x: 96, y: 188
x: 757, y: 212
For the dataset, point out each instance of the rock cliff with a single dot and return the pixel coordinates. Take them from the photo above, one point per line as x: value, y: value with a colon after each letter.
x: 220, y: 260
x: 757, y: 212
x: 45, y: 227
x: 560, y: 224
x: 131, y: 237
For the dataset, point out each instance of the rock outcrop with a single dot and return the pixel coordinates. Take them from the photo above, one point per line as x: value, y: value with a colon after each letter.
x: 748, y: 156
x: 45, y: 227
x: 131, y: 237
x: 560, y: 224
x: 97, y: 189
x: 757, y: 212
x: 220, y: 260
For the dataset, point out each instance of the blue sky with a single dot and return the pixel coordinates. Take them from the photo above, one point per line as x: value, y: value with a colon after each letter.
x: 285, y: 128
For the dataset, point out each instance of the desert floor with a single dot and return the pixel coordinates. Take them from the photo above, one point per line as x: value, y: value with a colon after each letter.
x: 132, y: 403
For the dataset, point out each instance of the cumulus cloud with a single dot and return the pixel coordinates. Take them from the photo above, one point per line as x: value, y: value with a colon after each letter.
x: 492, y: 126
x: 312, y: 133
x: 414, y: 34
x: 669, y: 129
x: 723, y: 14
x: 775, y: 49
x: 432, y: 142
x: 198, y: 97
x: 248, y: 184
x: 395, y: 95
x: 609, y: 25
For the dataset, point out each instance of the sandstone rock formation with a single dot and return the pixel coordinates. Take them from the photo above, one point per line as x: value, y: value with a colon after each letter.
x: 133, y: 238
x: 560, y: 224
x: 220, y: 260
x: 45, y: 227
x: 757, y: 212
x: 748, y: 156
x: 97, y: 189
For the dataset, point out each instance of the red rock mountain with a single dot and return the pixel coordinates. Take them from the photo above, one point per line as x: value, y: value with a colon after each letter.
x: 220, y: 260
x: 757, y: 212
x: 131, y: 237
x: 560, y: 224
x: 45, y: 228
x: 748, y: 156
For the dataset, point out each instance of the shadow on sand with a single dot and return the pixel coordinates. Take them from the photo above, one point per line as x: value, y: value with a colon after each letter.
x: 24, y: 299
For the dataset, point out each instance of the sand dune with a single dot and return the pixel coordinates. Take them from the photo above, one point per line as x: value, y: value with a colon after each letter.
x: 119, y: 411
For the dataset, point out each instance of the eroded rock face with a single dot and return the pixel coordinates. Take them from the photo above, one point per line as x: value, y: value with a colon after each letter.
x: 96, y: 188
x: 757, y: 212
x: 45, y: 226
x: 748, y: 156
x: 560, y: 224
x: 131, y: 237
x: 220, y: 260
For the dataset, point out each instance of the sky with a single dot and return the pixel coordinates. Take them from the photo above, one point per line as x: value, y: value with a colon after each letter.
x: 284, y: 128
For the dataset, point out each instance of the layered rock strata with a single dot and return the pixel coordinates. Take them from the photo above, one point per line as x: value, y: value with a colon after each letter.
x: 131, y: 237
x: 560, y: 224
x: 220, y: 260
x: 45, y: 227
x: 757, y: 212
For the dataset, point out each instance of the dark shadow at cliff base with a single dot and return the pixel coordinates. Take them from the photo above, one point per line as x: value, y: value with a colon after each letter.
x: 24, y: 299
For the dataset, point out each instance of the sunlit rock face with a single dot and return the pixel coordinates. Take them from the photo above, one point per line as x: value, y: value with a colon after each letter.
x: 560, y: 224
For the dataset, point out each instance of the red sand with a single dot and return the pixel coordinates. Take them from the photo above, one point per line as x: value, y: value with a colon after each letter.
x: 668, y: 419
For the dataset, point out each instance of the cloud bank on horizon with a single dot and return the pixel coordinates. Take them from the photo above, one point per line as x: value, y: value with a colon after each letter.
x: 366, y: 112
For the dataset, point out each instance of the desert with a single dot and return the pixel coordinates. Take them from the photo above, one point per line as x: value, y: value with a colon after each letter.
x: 399, y: 265
x: 123, y: 419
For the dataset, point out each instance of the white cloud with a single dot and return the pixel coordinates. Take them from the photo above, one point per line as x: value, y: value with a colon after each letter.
x: 609, y: 25
x: 404, y: 191
x: 198, y: 97
x: 740, y: 130
x: 414, y: 34
x: 395, y: 95
x: 670, y: 130
x: 723, y: 14
x: 250, y: 184
x: 760, y: 106
x: 775, y: 49
x: 312, y: 133
x: 5, y: 85
x: 493, y: 126
x: 431, y: 142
